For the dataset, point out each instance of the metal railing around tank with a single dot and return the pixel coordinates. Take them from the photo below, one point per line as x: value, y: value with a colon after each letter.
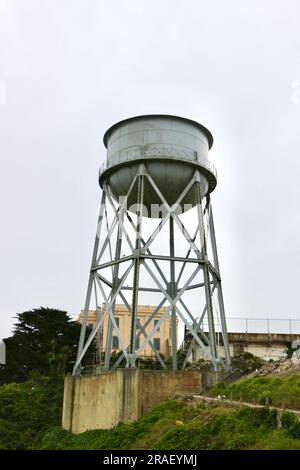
x: 183, y: 156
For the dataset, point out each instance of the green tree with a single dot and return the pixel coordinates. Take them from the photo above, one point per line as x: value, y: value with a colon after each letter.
x: 44, y: 340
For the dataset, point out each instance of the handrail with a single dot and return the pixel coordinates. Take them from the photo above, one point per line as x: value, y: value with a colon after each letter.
x: 177, y: 155
x: 268, y: 324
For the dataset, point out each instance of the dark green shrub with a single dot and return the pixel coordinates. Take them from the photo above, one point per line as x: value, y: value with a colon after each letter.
x: 291, y: 423
x: 28, y: 410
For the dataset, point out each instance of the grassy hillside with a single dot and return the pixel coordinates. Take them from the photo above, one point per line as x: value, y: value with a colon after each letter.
x: 176, y: 425
x: 277, y: 390
x: 30, y: 417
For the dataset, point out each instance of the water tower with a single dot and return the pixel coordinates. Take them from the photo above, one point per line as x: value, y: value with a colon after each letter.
x: 156, y: 238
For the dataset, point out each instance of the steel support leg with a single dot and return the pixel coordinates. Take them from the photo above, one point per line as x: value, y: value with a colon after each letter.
x: 172, y: 293
x: 91, y: 281
x: 218, y: 281
x: 114, y: 288
x: 136, y: 270
x: 208, y: 294
x: 99, y: 341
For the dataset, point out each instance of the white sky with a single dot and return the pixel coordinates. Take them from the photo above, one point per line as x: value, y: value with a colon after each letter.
x: 71, y: 68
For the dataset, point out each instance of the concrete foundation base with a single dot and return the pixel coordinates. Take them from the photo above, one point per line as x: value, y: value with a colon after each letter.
x: 124, y: 395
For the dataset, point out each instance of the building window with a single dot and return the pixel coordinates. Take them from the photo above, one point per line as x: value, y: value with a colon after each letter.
x: 156, y: 343
x: 155, y: 323
x: 115, y: 342
x: 117, y: 321
x: 137, y: 343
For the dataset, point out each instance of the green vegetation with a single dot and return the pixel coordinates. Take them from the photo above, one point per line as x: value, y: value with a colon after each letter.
x: 278, y: 391
x: 30, y: 417
x: 45, y: 340
x: 291, y: 423
x: 244, y: 363
x: 289, y: 350
x: 175, y: 425
x: 28, y: 410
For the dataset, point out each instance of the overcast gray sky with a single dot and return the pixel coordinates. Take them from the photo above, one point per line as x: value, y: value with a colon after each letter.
x: 71, y: 68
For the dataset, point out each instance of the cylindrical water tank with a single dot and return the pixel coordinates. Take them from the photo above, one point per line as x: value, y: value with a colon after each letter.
x: 170, y: 147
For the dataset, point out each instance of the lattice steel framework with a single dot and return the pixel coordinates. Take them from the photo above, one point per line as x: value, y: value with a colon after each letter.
x: 114, y: 275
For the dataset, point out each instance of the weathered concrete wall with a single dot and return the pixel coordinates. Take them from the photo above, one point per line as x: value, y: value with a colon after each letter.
x: 102, y: 401
x: 266, y: 352
x: 159, y: 385
x: 265, y: 345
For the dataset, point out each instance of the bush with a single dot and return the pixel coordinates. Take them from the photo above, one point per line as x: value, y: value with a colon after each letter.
x: 28, y: 410
x: 244, y: 363
x: 291, y: 423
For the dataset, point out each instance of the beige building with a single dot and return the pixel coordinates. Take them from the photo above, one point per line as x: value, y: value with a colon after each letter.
x: 162, y: 338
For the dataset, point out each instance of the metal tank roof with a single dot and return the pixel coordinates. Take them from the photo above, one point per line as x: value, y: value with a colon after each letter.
x: 155, y: 116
